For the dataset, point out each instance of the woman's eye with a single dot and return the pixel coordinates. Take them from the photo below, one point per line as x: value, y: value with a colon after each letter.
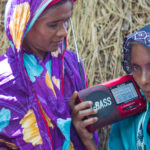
x: 135, y: 68
x: 53, y: 25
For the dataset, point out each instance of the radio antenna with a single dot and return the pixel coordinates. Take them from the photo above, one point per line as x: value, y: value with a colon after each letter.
x: 77, y: 51
x: 74, y: 39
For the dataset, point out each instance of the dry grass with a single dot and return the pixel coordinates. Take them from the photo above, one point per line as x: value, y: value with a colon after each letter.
x: 100, y: 26
x: 3, y: 39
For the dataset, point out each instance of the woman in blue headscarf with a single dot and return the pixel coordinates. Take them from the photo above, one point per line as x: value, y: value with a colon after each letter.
x: 37, y: 79
x: 133, y: 133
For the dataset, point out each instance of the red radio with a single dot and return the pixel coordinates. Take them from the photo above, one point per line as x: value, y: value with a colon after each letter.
x: 114, y: 100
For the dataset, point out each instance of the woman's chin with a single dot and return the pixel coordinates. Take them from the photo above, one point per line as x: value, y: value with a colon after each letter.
x: 54, y: 49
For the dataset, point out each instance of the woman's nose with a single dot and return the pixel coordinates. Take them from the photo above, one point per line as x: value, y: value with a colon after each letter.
x: 145, y: 77
x: 62, y: 31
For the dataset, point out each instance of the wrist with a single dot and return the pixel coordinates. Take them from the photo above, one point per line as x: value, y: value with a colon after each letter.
x: 90, y: 145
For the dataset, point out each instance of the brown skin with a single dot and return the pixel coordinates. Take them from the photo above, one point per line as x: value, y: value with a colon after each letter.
x: 49, y: 30
x: 140, y: 62
x: 45, y: 36
x: 79, y: 112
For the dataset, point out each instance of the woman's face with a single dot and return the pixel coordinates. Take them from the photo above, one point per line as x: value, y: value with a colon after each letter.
x: 49, y: 30
x: 140, y: 62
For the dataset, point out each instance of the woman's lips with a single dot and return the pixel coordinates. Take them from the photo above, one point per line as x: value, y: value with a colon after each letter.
x: 57, y: 42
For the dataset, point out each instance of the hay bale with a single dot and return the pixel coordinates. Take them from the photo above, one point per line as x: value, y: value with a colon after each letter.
x: 3, y: 40
x: 100, y: 26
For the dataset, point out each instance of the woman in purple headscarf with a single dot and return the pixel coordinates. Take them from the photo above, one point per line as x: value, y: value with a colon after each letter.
x: 37, y: 79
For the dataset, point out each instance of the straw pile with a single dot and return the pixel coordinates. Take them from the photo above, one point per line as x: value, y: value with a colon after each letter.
x: 100, y: 26
x: 3, y: 39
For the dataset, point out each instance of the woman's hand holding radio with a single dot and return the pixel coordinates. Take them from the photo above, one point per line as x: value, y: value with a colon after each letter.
x: 79, y: 113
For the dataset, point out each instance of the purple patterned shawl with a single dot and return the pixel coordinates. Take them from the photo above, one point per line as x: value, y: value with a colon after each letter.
x: 34, y: 113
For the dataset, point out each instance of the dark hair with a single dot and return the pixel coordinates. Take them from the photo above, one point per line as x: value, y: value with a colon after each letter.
x: 56, y: 5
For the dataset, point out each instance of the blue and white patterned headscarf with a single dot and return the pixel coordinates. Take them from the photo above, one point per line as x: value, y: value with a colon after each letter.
x: 141, y: 36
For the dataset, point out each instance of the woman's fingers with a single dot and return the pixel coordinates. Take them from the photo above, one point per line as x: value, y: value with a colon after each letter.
x: 86, y: 112
x: 78, y: 106
x: 81, y: 118
x: 89, y: 121
x: 73, y: 100
x: 84, y: 105
x: 81, y: 110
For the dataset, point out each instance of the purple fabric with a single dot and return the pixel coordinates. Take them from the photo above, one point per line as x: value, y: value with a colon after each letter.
x: 22, y: 125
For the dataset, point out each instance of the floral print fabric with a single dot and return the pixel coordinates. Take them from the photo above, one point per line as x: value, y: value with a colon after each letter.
x: 34, y: 112
x: 4, y: 118
x: 19, y: 20
x: 31, y: 132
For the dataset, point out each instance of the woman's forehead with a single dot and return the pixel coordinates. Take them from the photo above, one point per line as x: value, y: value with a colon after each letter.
x: 140, y: 53
x: 61, y: 11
